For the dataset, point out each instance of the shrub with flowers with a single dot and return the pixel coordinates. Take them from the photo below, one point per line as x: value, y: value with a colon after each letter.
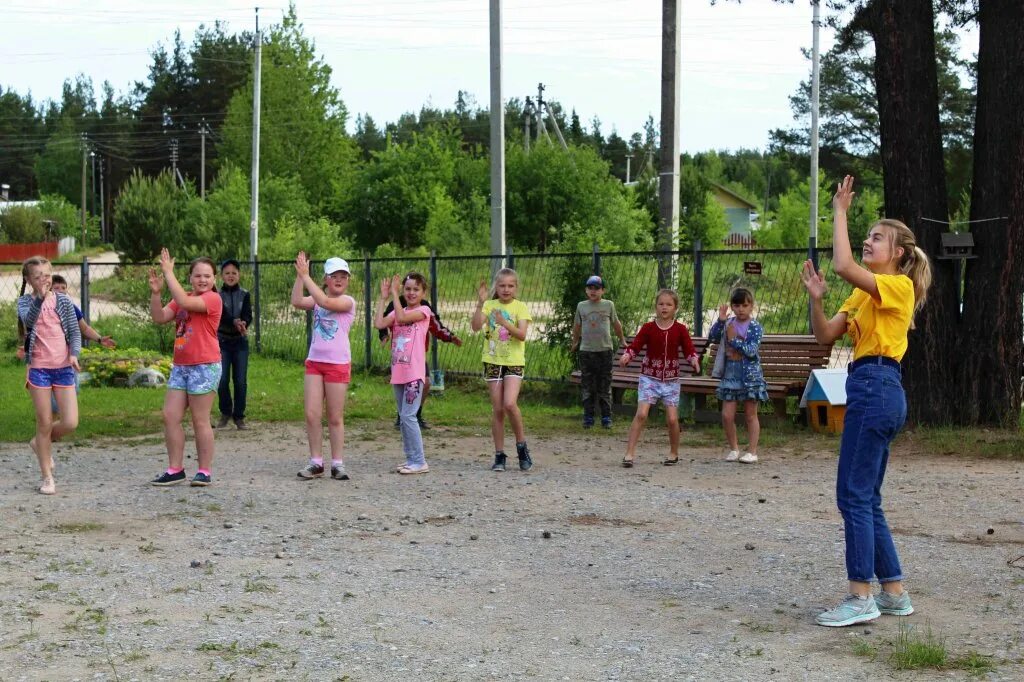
x: 113, y: 366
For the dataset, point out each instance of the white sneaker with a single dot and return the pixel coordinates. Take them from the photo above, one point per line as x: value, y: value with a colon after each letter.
x: 732, y: 456
x: 748, y: 458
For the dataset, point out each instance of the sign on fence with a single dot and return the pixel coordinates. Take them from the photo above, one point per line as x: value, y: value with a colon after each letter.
x: 751, y: 267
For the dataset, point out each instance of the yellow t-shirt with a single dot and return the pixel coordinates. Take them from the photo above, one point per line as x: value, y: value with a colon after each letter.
x: 500, y: 347
x: 880, y: 327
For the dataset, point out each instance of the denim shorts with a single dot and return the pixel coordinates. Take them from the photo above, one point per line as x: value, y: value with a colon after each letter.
x: 195, y: 379
x: 44, y: 377
x: 651, y: 391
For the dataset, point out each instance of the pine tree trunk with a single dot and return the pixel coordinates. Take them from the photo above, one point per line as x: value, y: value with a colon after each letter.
x: 915, y: 188
x: 992, y: 348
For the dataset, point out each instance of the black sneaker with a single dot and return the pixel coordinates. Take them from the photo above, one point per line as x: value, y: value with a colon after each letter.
x: 338, y: 472
x: 398, y: 423
x: 588, y: 422
x: 166, y: 479
x: 524, y: 456
x: 499, y: 462
x: 424, y: 426
x: 201, y: 480
x: 224, y: 419
x: 311, y: 471
x: 606, y: 422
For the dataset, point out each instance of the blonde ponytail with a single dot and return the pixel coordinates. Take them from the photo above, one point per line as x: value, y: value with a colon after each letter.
x: 914, y: 263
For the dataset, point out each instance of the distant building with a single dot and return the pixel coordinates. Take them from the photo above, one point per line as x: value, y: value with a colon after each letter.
x: 740, y: 212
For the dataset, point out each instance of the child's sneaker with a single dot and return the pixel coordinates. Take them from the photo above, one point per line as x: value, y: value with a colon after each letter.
x: 894, y: 604
x: 588, y: 422
x: 499, y: 462
x: 851, y: 611
x: 524, y: 456
x: 166, y: 479
x: 48, y: 486
x: 201, y: 480
x: 732, y: 455
x: 311, y: 471
x: 606, y: 422
x: 748, y: 458
x: 338, y: 472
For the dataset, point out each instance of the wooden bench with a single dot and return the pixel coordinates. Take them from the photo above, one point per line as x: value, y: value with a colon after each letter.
x: 786, y: 361
x: 627, y: 378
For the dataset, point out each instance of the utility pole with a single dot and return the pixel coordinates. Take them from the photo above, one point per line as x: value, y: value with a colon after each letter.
x: 539, y: 113
x: 629, y: 160
x: 92, y: 196
x: 668, y: 175
x: 85, y: 146
x: 202, y: 160
x: 812, y: 239
x: 527, y: 119
x: 497, y: 140
x: 103, y: 207
x: 254, y: 213
x: 174, y: 157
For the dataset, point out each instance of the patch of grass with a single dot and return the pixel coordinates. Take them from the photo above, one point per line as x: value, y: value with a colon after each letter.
x: 947, y: 440
x: 213, y: 507
x: 48, y: 587
x: 975, y: 664
x: 913, y: 650
x: 77, y: 527
x: 865, y: 649
x: 258, y: 585
x: 148, y: 548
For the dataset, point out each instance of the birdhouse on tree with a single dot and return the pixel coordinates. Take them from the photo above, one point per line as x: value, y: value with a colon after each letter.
x: 825, y: 400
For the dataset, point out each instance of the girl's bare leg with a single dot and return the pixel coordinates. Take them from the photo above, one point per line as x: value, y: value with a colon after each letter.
x: 510, y: 403
x: 636, y: 428
x: 672, y: 421
x: 336, y: 394
x: 495, y: 388
x: 729, y: 423
x: 41, y: 443
x: 175, y: 402
x: 753, y: 424
x: 313, y: 399
x: 200, y: 406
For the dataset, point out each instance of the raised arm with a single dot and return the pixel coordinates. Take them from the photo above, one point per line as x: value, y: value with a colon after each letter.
x: 825, y: 330
x: 160, y: 313
x: 193, y: 304
x: 401, y: 316
x: 298, y: 300
x: 843, y: 263
x: 380, y: 321
x: 477, y: 323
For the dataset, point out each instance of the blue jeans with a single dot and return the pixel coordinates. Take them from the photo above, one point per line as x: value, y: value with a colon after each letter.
x: 408, y: 398
x: 234, y: 365
x: 876, y: 408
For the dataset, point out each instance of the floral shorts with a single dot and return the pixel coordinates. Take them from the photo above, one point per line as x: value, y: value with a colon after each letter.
x: 651, y: 391
x: 195, y: 379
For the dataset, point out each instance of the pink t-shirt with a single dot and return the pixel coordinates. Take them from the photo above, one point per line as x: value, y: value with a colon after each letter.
x: 409, y: 348
x: 195, y: 334
x: 50, y: 348
x: 330, y: 335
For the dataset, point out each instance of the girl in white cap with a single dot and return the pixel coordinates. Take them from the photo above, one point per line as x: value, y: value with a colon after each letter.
x: 329, y: 363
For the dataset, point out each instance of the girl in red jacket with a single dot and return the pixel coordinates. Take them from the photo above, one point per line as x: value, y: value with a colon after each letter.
x: 663, y: 338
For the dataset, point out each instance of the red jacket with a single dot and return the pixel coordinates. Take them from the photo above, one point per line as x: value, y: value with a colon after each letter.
x: 663, y: 345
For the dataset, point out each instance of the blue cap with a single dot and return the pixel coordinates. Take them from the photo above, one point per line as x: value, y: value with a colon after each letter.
x: 595, y: 281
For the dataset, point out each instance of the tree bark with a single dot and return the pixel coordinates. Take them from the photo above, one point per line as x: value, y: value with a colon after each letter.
x: 992, y: 350
x: 914, y: 182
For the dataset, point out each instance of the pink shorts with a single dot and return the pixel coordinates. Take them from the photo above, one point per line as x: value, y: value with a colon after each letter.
x: 332, y: 373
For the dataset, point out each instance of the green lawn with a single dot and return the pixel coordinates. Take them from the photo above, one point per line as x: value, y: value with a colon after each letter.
x: 275, y: 394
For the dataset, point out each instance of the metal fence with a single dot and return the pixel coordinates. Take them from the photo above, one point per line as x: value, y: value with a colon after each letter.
x: 115, y: 298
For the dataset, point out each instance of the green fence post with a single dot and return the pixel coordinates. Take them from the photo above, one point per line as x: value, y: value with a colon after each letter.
x: 698, y: 289
x: 367, y: 315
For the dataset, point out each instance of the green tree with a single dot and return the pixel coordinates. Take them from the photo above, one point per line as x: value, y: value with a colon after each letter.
x: 59, y: 167
x: 21, y: 141
x: 154, y: 212
x: 302, y: 125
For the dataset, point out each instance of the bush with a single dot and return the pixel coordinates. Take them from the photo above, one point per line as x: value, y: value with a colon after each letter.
x: 23, y: 225
x: 155, y: 212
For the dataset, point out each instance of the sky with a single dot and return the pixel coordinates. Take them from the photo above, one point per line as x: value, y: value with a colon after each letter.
x: 740, y: 61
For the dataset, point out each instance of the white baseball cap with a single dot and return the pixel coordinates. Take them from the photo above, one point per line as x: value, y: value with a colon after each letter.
x: 333, y: 265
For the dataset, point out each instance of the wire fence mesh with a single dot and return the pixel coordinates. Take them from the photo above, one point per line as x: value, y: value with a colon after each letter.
x: 115, y: 298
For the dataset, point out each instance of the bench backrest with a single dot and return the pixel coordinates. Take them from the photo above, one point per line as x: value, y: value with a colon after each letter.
x: 788, y: 357
x: 700, y: 343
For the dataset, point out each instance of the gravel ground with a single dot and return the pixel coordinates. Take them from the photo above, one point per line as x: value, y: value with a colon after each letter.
x: 578, y: 570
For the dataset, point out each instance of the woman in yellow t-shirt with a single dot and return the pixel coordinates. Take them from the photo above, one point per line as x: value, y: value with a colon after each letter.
x: 890, y: 287
x: 504, y: 319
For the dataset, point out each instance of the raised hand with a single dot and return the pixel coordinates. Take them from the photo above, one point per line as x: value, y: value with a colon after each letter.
x: 166, y: 262
x: 396, y: 285
x: 302, y: 264
x: 385, y: 288
x: 813, y: 281
x: 723, y: 312
x: 843, y: 196
x: 156, y: 282
x: 482, y: 291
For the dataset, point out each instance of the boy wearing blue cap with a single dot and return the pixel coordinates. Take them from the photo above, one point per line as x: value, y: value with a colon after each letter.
x: 592, y: 334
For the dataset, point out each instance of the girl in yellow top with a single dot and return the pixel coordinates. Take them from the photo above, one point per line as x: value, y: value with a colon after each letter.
x: 504, y: 319
x: 890, y: 287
